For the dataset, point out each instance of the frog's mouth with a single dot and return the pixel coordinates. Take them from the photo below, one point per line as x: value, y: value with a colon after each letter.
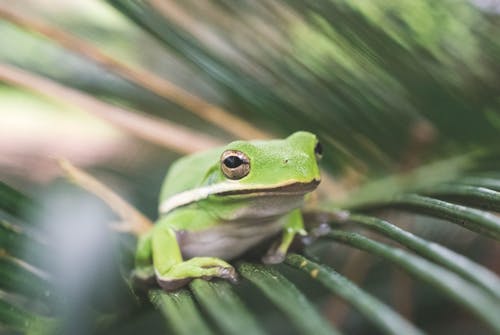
x: 294, y: 188
x: 230, y: 189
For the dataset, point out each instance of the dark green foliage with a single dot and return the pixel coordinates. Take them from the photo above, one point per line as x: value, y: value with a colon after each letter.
x: 177, y: 308
x: 480, y: 302
x: 224, y: 307
x: 26, y: 293
x: 289, y: 299
x: 433, y: 251
x: 344, y: 74
x: 473, y: 219
x: 374, y: 310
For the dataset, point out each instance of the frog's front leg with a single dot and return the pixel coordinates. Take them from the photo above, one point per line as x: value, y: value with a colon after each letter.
x: 294, y: 224
x: 171, y: 270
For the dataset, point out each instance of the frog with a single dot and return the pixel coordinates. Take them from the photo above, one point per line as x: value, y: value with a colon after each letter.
x: 215, y: 205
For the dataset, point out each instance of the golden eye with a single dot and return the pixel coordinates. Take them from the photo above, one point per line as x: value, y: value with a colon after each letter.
x: 234, y: 164
x: 318, y: 151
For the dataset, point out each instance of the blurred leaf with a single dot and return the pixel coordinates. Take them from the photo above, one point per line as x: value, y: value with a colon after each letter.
x: 404, y: 97
x: 17, y: 276
x: 12, y: 201
x: 17, y: 319
x: 26, y: 292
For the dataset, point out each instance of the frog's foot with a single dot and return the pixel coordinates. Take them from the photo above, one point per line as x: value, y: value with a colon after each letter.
x: 278, y: 250
x: 145, y: 273
x: 143, y: 277
x: 182, y: 273
x: 274, y: 255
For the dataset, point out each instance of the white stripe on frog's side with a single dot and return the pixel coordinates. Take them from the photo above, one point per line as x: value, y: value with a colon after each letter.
x: 187, y: 197
x: 194, y: 195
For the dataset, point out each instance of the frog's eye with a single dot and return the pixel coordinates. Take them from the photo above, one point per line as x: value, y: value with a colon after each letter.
x: 318, y: 151
x: 234, y: 164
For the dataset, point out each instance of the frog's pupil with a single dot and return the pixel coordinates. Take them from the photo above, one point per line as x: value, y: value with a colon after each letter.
x: 232, y: 162
x: 318, y: 149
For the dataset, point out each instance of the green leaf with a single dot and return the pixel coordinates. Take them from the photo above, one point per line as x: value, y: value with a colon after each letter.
x: 380, y: 314
x: 12, y: 201
x: 488, y: 182
x: 288, y: 298
x: 21, y: 242
x: 226, y: 309
x: 15, y: 318
x: 433, y: 251
x: 27, y: 295
x: 17, y: 276
x: 180, y: 311
x: 471, y: 195
x: 475, y: 299
x: 472, y: 219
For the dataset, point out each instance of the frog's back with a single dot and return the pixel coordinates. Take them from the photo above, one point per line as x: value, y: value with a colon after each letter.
x: 189, y: 172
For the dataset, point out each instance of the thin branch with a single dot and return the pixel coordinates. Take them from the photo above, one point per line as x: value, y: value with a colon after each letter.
x: 135, y: 222
x: 155, y: 130
x: 160, y: 86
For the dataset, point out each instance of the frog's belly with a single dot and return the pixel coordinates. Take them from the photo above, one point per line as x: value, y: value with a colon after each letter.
x: 227, y: 240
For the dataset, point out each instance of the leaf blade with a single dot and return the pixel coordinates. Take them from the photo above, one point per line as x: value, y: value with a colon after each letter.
x: 380, y: 314
x: 436, y: 252
x: 180, y: 311
x: 288, y: 298
x: 472, y: 219
x: 476, y: 300
x: 225, y: 308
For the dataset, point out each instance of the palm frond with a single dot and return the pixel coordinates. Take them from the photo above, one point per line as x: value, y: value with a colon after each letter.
x: 288, y: 298
x: 478, y: 301
x: 226, y: 309
x: 179, y: 307
x: 380, y: 314
x: 405, y: 101
x: 433, y: 251
x: 27, y: 294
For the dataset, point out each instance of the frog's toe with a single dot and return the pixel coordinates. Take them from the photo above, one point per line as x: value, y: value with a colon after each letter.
x: 142, y: 278
x: 274, y: 258
x: 172, y: 284
x: 224, y: 272
x: 228, y: 273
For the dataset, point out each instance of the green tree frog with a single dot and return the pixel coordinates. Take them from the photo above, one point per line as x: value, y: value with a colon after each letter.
x: 216, y: 205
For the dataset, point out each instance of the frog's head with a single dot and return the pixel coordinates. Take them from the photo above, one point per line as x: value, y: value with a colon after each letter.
x: 274, y: 169
x: 277, y: 166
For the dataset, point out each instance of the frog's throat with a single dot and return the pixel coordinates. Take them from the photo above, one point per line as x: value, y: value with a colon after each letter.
x: 231, y: 188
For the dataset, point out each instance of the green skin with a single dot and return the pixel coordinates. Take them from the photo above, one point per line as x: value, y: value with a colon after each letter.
x: 206, y: 217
